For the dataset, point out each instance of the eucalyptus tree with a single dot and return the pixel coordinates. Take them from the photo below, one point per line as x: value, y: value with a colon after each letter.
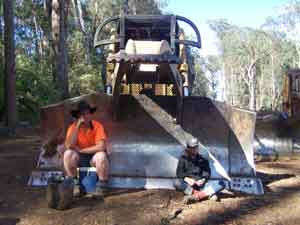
x: 52, y: 37
x: 59, y: 28
x: 207, y: 70
x: 88, y: 15
x: 145, y: 7
x: 10, y: 67
x: 1, y: 62
x: 201, y: 82
x: 222, y: 29
x: 288, y: 21
x: 273, y: 68
x: 242, y: 50
x: 285, y: 28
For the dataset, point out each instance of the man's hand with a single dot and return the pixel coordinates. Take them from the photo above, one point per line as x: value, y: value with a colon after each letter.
x: 190, y: 181
x: 200, y: 182
x: 75, y: 148
x: 79, y: 122
x: 99, y: 147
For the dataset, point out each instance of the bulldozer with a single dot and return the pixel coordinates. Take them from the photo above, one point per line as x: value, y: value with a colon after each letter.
x: 148, y: 110
x: 278, y: 134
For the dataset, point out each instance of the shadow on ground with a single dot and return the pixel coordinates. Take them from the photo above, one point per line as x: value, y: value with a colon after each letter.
x: 9, y: 221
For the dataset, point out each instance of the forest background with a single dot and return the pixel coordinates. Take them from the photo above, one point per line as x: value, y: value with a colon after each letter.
x: 47, y: 55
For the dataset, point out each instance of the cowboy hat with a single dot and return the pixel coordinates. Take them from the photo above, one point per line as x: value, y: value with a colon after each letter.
x: 82, y: 106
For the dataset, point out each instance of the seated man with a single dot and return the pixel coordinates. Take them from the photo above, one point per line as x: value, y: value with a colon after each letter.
x: 194, y: 171
x: 85, y: 145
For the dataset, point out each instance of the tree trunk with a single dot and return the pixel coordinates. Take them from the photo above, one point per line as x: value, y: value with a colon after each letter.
x: 78, y: 15
x: 229, y: 87
x: 64, y: 48
x: 2, y: 75
x: 298, y: 54
x: 59, y: 36
x: 38, y: 41
x: 252, y: 100
x: 261, y: 96
x: 252, y: 90
x: 10, y: 68
x: 46, y: 27
x: 132, y: 5
x: 48, y: 42
x: 37, y: 33
x: 223, y: 91
x: 1, y: 30
x: 274, y: 94
x: 1, y: 53
x: 87, y: 39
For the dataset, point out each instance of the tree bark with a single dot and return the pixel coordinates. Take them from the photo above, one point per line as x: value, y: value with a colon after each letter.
x: 274, y: 94
x: 78, y: 15
x: 47, y: 26
x: 249, y: 76
x: 38, y: 40
x: 38, y: 51
x: 59, y: 23
x: 261, y: 89
x: 1, y: 30
x: 298, y: 53
x: 1, y: 53
x: 87, y: 39
x: 252, y: 87
x: 2, y: 107
x: 64, y: 47
x: 10, y: 66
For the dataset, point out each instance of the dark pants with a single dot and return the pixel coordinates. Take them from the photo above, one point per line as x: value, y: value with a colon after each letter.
x: 85, y: 159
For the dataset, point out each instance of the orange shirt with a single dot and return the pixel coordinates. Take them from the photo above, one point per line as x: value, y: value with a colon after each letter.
x: 88, y: 137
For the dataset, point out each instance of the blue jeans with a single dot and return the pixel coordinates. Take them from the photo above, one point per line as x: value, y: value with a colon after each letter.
x: 180, y: 185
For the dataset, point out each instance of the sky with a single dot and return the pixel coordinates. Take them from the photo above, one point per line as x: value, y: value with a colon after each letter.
x: 250, y: 13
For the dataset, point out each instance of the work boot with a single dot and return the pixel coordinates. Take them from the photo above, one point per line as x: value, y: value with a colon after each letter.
x: 101, y: 188
x: 214, y: 197
x: 78, y: 191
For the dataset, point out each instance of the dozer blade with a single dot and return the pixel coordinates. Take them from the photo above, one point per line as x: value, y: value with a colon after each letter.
x: 145, y: 143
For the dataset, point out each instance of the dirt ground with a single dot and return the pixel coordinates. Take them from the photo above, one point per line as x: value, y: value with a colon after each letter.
x: 20, y: 204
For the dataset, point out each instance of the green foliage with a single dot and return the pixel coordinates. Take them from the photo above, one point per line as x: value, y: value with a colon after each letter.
x: 206, y: 75
x: 35, y: 79
x: 201, y: 84
x: 255, y: 62
x: 272, y: 49
x: 84, y: 79
x: 35, y: 87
